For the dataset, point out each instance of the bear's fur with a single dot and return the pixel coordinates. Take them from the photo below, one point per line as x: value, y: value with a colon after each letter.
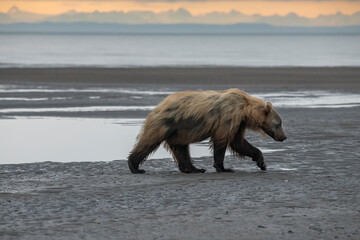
x: 193, y: 116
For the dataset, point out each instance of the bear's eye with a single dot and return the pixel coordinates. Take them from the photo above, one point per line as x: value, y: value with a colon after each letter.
x: 277, y: 125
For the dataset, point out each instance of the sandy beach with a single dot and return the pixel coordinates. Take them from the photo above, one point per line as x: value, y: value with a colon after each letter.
x: 311, y: 189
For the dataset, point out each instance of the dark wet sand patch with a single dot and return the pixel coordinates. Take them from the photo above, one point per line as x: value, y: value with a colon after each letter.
x: 215, y: 77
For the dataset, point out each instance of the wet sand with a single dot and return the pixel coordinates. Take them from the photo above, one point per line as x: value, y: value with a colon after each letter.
x: 190, y: 77
x: 310, y: 191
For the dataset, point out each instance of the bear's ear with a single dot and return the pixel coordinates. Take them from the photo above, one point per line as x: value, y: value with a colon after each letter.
x: 268, y: 108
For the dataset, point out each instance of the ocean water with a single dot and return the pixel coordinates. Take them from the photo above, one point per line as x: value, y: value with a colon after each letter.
x: 49, y: 50
x: 14, y: 99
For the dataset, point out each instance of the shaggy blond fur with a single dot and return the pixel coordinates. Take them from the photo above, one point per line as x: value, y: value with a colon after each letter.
x: 229, y: 108
x: 193, y: 116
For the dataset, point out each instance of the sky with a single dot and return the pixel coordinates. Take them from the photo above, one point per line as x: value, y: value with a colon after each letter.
x: 310, y: 9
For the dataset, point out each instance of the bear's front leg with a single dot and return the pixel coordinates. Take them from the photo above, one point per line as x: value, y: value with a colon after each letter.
x: 219, y: 154
x: 259, y: 159
x: 246, y: 149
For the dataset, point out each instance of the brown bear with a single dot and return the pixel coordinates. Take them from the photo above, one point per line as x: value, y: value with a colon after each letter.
x: 193, y: 116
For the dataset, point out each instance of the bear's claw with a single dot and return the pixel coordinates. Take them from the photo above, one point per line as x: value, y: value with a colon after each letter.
x: 134, y: 169
x: 261, y: 165
x: 194, y: 170
x: 224, y: 169
x: 141, y: 171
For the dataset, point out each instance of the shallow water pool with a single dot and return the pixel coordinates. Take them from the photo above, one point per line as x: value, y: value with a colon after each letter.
x: 25, y: 140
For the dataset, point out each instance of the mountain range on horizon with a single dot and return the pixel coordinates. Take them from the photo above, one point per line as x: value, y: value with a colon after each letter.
x: 180, y: 16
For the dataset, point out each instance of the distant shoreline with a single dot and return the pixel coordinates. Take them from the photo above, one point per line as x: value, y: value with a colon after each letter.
x: 258, y: 77
x: 173, y: 28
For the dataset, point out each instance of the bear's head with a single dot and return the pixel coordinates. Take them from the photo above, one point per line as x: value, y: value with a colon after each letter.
x: 272, y: 124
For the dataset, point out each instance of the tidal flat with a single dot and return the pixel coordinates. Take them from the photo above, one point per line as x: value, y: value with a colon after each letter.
x: 311, y: 189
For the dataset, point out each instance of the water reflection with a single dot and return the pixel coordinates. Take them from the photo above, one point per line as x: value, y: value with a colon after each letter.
x: 25, y: 140
x: 67, y: 139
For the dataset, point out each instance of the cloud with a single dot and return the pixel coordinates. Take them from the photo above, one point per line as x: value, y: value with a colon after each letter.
x: 182, y: 15
x: 306, y: 8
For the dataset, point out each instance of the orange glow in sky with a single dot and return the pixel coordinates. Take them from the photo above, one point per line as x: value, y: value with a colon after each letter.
x: 265, y: 8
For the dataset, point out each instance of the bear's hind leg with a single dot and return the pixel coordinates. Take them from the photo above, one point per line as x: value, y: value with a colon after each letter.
x: 219, y: 154
x: 182, y: 157
x: 139, y: 155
